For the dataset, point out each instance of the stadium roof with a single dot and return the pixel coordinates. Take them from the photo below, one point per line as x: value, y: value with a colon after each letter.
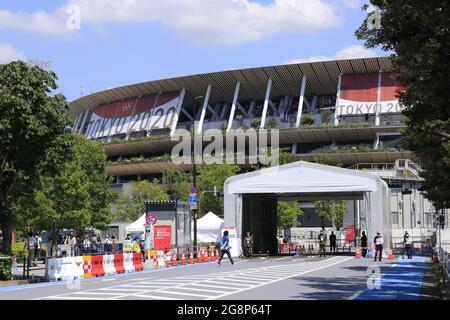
x: 322, y: 79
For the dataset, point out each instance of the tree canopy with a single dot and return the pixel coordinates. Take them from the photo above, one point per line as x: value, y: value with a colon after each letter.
x: 77, y: 196
x: 130, y: 206
x: 419, y: 32
x: 32, y: 118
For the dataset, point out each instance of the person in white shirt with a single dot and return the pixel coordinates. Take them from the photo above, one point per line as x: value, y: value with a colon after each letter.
x: 30, y: 245
x: 408, y: 244
x: 378, y: 240
x: 37, y: 251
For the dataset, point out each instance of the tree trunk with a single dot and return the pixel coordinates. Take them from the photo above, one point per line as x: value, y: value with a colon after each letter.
x: 6, y: 232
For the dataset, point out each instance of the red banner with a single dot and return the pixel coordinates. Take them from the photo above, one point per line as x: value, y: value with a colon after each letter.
x: 162, y: 237
x: 350, y: 235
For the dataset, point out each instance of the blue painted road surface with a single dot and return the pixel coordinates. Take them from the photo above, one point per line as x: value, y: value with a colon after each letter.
x: 402, y: 281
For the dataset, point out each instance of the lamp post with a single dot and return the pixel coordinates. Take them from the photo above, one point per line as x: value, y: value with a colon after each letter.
x: 194, y: 170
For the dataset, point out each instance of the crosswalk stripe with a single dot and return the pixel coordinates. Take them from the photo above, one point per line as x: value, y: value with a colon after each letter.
x: 202, y: 289
x: 185, y: 294
x: 153, y: 297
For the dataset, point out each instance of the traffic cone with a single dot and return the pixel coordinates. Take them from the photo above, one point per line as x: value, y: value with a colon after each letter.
x: 199, y: 256
x: 166, y: 261
x: 206, y: 258
x: 183, y: 259
x: 191, y: 258
x: 212, y: 256
x: 390, y: 256
x: 358, y: 253
x: 174, y: 260
x: 217, y: 255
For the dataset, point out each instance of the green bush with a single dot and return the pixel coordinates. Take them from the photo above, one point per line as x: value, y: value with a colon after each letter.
x: 5, y: 268
x: 308, y: 119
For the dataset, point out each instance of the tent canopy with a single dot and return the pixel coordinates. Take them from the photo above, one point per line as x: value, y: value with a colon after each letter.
x: 137, y: 226
x: 209, y: 228
x: 310, y: 181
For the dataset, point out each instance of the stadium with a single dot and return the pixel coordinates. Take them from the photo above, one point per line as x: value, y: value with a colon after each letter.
x: 343, y: 113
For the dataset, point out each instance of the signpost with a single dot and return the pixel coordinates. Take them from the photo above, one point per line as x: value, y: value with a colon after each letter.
x: 150, y: 220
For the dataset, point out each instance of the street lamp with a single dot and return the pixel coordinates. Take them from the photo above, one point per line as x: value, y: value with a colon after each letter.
x: 194, y: 169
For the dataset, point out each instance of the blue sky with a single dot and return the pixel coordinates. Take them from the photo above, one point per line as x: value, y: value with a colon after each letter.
x: 128, y: 41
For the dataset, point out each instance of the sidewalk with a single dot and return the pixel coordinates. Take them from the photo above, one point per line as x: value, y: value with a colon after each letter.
x: 429, y: 290
x: 402, y: 281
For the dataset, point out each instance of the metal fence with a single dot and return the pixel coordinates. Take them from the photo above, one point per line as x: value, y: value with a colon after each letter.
x: 67, y: 250
x: 444, y: 258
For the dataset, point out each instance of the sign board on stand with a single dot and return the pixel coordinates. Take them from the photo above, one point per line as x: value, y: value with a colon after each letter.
x: 235, y: 242
x: 162, y: 237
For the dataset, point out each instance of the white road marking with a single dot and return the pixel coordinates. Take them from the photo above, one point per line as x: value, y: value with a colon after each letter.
x: 152, y: 297
x: 284, y: 278
x: 186, y: 294
x: 355, y: 295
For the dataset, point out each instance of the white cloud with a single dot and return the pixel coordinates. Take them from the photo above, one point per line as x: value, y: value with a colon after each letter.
x: 8, y: 53
x: 203, y: 21
x: 351, y: 52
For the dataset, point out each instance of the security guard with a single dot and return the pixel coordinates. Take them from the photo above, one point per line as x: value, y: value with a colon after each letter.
x: 248, y: 243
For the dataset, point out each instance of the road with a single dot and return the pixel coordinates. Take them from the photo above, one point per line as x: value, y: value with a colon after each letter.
x: 331, y: 278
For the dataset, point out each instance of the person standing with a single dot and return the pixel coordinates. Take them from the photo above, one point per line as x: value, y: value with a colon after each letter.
x: 322, y: 243
x: 408, y: 244
x: 332, y: 242
x: 37, y: 251
x: 378, y: 240
x: 248, y: 242
x: 225, y: 248
x: 86, y: 244
x: 94, y: 243
x: 30, y: 245
x: 364, y: 244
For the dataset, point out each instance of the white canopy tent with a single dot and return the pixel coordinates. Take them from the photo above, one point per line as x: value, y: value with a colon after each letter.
x: 137, y: 226
x: 309, y: 181
x: 209, y: 228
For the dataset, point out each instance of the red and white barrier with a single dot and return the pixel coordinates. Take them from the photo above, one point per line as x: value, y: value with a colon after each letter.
x: 128, y: 262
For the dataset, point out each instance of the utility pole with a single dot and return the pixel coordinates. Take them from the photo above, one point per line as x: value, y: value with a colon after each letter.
x: 194, y: 171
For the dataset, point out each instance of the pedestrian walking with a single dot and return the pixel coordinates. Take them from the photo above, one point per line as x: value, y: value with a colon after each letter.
x: 364, y: 244
x: 332, y: 242
x: 378, y: 240
x: 407, y: 240
x: 225, y: 248
x: 322, y: 243
x: 30, y: 246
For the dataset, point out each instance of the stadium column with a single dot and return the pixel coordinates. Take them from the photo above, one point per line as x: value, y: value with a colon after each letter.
x: 84, y: 121
x: 378, y: 105
x: 233, y: 106
x: 266, y: 104
x: 179, y: 105
x: 76, y: 122
x: 300, y: 102
x: 336, y: 116
x: 205, y: 105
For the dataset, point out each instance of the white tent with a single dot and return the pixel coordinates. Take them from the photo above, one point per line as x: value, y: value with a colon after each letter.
x: 209, y: 228
x: 310, y: 181
x: 137, y: 226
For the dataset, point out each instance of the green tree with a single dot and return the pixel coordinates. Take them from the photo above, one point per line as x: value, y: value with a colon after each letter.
x: 31, y: 119
x: 332, y: 211
x: 178, y: 184
x: 76, y: 196
x: 418, y: 32
x: 130, y: 207
x: 207, y: 178
x: 288, y: 213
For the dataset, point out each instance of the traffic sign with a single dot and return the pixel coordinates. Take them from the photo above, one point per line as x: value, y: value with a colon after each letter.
x: 193, y: 190
x: 150, y: 219
x: 193, y: 201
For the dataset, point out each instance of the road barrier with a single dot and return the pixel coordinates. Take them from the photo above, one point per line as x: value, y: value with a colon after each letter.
x: 128, y: 262
x: 118, y: 263
x: 87, y: 266
x: 108, y: 264
x: 97, y: 266
x: 68, y: 268
x: 137, y: 261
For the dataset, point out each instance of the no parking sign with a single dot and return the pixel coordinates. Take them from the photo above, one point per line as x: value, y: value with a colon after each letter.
x: 150, y: 219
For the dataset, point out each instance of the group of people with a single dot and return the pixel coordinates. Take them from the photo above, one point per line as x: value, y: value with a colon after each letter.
x: 94, y: 243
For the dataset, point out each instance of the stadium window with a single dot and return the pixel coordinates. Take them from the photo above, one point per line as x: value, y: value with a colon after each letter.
x: 394, y: 218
